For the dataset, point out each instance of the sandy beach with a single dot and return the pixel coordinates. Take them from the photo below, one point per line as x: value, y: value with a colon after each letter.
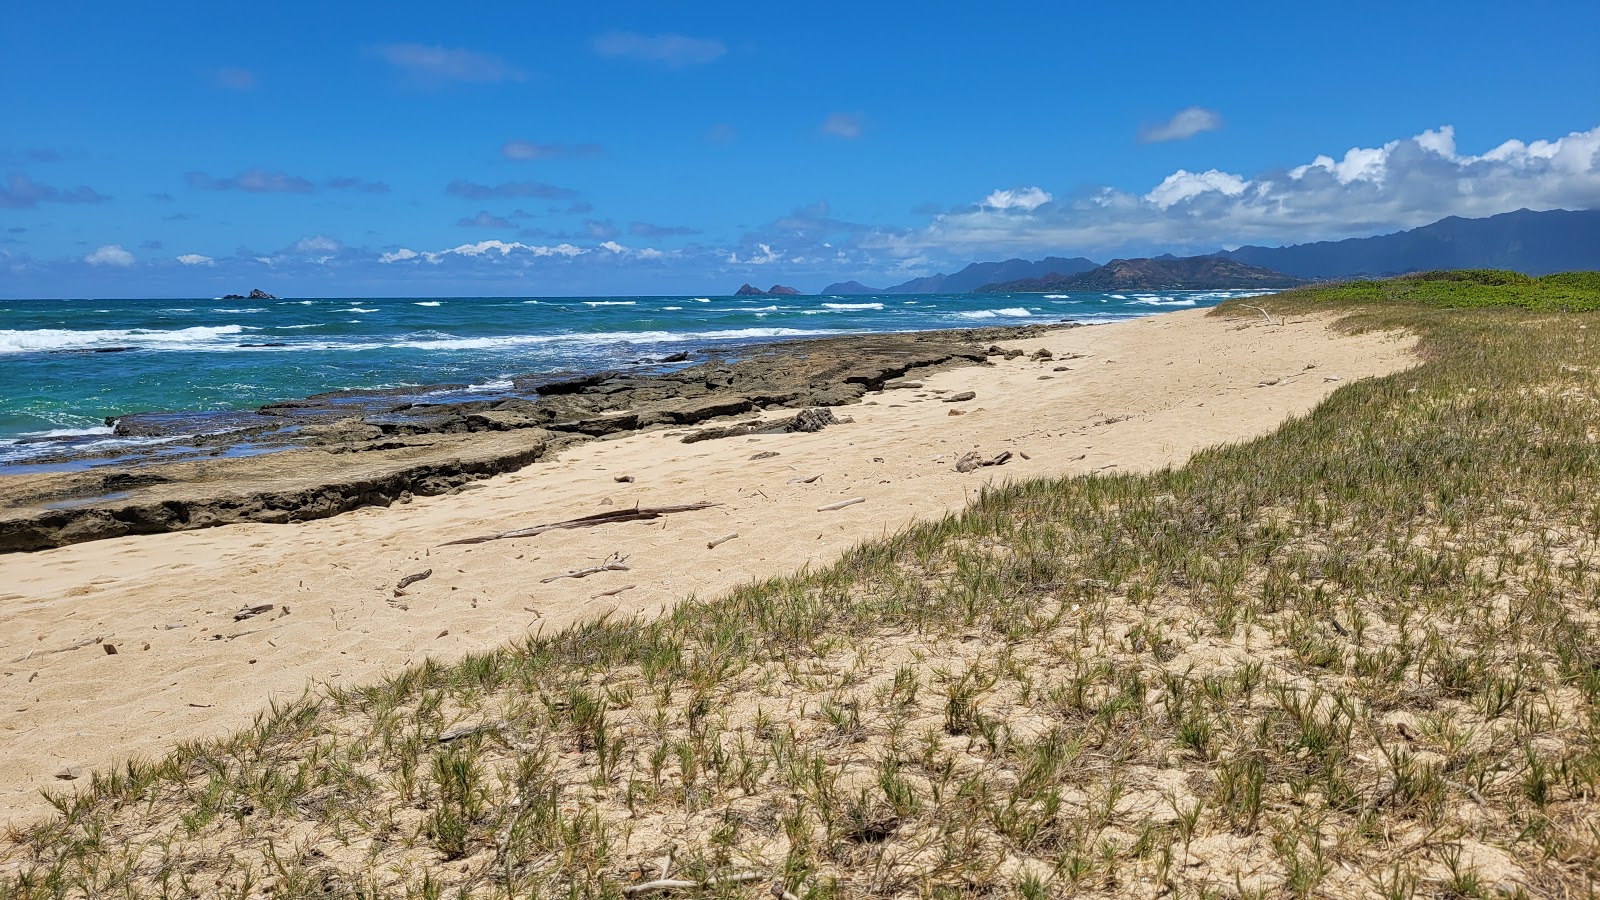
x: 1126, y: 397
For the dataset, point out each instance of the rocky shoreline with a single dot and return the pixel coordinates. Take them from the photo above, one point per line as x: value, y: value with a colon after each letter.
x: 336, y: 452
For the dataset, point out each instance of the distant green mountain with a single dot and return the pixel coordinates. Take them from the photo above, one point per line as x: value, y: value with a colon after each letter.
x: 1166, y: 273
x: 1534, y: 243
x: 973, y: 276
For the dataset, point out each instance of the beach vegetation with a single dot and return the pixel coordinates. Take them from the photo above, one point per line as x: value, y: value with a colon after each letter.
x: 1359, y: 656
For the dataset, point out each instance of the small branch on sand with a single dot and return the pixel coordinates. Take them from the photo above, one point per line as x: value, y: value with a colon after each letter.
x: 714, y: 542
x: 972, y: 461
x: 615, y: 563
x: 1280, y: 321
x: 841, y: 504
x: 805, y: 480
x: 678, y: 884
x: 250, y: 611
x: 413, y: 579
x: 614, y: 591
x: 606, y: 518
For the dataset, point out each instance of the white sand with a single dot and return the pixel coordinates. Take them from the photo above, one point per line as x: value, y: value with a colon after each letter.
x: 185, y: 669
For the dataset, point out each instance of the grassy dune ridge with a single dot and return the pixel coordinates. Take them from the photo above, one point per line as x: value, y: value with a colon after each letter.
x: 1357, y: 657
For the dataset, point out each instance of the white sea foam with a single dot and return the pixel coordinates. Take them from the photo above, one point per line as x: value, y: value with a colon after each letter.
x: 357, y: 309
x: 71, y: 432
x: 1165, y: 301
x: 296, y: 327
x: 701, y: 299
x: 672, y: 308
x: 530, y: 302
x: 44, y: 339
x: 1012, y: 312
x: 1118, y: 297
x: 760, y: 309
x: 609, y: 303
x: 239, y: 311
x: 852, y: 306
x: 428, y: 303
x: 1057, y: 297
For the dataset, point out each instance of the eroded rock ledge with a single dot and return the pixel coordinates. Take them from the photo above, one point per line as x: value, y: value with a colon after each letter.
x: 342, y: 451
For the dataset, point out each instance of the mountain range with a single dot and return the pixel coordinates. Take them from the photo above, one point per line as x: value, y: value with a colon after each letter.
x: 1162, y: 273
x: 973, y: 277
x: 1535, y: 243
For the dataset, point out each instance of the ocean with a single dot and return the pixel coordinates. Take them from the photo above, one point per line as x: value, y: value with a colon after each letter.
x: 66, y: 366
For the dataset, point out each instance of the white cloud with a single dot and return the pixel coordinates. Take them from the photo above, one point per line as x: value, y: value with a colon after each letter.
x: 765, y: 256
x: 1185, y: 185
x: 1027, y: 199
x: 110, y: 255
x: 195, y: 259
x: 843, y: 125
x: 486, y: 250
x: 1367, y: 190
x: 673, y: 50
x: 1185, y: 124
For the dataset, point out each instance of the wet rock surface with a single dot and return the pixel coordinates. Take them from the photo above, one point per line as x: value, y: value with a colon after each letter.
x: 337, y: 451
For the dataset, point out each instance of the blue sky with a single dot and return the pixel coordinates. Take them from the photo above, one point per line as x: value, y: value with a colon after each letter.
x: 407, y: 149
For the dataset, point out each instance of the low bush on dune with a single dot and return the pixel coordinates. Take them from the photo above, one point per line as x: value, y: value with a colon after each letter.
x: 1469, y: 289
x: 1357, y: 657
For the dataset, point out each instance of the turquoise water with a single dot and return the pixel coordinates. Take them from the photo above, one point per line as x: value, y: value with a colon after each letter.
x: 68, y: 365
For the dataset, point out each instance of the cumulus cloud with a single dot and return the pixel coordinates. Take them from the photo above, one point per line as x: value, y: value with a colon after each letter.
x: 1184, y: 124
x: 764, y: 255
x: 235, y: 79
x: 1025, y: 199
x: 842, y: 125
x: 501, y: 250
x: 435, y: 66
x: 195, y: 259
x: 110, y: 255
x: 472, y: 190
x: 529, y: 150
x: 21, y: 192
x: 1401, y: 184
x: 672, y: 50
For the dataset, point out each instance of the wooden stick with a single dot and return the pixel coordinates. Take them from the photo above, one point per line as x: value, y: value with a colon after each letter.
x: 413, y: 579
x: 678, y: 884
x: 712, y: 544
x: 805, y: 480
x: 841, y: 504
x: 614, y: 591
x: 605, y: 518
x: 1258, y: 309
x: 615, y: 563
x: 249, y: 611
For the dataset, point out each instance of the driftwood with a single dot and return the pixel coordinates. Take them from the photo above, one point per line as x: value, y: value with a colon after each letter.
x: 606, y: 518
x: 250, y: 611
x: 714, y: 542
x: 615, y: 563
x: 1280, y: 322
x: 841, y: 504
x: 614, y: 591
x: 678, y: 884
x: 805, y: 480
x: 972, y: 461
x: 413, y: 579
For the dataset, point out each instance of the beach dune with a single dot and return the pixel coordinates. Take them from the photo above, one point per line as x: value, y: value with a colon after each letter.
x: 1127, y: 397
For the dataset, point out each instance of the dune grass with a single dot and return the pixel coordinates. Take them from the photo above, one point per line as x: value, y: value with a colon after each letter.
x: 1357, y: 657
